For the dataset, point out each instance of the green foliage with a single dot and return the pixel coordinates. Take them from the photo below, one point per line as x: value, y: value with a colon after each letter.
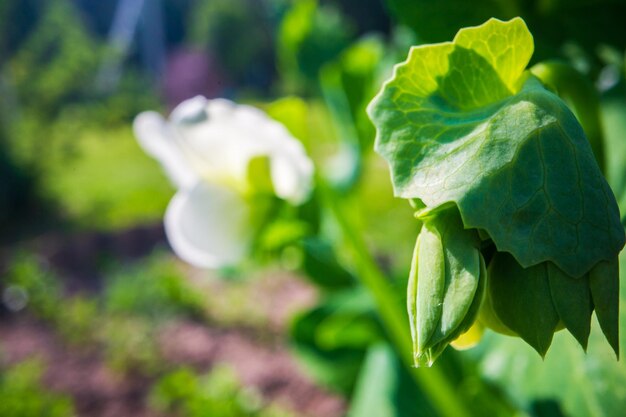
x: 102, y: 179
x: 40, y: 287
x: 556, y: 23
x: 490, y: 140
x: 332, y: 338
x: 78, y: 319
x: 384, y: 389
x: 462, y: 125
x: 156, y: 288
x: 217, y: 394
x: 22, y: 394
x: 587, y: 384
x: 237, y: 32
x: 310, y: 36
x: 56, y: 62
x: 129, y: 344
x: 439, y: 21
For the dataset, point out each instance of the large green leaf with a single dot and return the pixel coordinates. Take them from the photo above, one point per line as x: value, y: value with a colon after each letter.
x: 521, y: 298
x: 586, y: 385
x: 461, y: 122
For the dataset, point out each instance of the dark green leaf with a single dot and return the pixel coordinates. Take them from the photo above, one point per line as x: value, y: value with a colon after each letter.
x: 572, y: 301
x: 604, y: 284
x: 585, y: 384
x: 521, y: 299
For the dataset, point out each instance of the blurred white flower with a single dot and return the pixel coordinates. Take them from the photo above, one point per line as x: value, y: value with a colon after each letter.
x: 206, y: 148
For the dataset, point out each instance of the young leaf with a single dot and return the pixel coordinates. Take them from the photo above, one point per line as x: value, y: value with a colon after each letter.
x: 572, y: 301
x: 460, y: 122
x: 521, y: 299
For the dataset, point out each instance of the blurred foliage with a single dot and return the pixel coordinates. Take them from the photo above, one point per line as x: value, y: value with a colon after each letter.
x: 557, y: 24
x: 332, y: 338
x: 55, y: 62
x: 237, y: 33
x: 40, y: 290
x: 156, y: 288
x: 385, y: 389
x: 102, y: 179
x: 22, y: 394
x: 217, y: 394
x: 614, y: 124
x: 124, y: 323
x: 48, y: 99
x: 129, y: 345
x: 308, y: 37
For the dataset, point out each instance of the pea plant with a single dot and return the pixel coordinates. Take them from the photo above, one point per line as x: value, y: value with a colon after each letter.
x: 519, y: 232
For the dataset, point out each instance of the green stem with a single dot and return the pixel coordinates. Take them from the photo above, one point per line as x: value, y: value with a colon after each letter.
x: 432, y: 381
x: 578, y: 92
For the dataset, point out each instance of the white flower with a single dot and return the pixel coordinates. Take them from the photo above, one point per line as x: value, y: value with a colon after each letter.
x: 205, y: 148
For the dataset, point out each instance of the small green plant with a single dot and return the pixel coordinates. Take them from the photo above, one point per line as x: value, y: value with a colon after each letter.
x: 129, y: 344
x: 154, y: 289
x: 39, y: 288
x: 22, y: 395
x: 217, y: 394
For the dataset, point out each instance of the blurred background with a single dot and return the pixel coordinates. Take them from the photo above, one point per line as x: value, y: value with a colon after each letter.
x: 99, y: 318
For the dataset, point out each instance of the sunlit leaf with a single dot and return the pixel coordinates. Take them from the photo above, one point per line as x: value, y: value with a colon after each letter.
x: 460, y: 122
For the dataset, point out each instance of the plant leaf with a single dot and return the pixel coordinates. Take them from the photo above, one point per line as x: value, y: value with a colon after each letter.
x: 585, y: 384
x: 521, y: 299
x: 455, y: 127
x: 572, y: 301
x: 604, y: 284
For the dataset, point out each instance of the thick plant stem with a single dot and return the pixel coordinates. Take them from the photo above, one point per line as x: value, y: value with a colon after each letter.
x: 432, y: 381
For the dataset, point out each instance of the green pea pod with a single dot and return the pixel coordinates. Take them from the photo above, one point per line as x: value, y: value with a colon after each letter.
x: 521, y: 299
x: 443, y: 284
x: 604, y: 284
x: 469, y: 319
x: 430, y: 285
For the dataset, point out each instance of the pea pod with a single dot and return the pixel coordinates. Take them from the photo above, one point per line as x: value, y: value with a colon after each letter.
x: 444, y: 290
